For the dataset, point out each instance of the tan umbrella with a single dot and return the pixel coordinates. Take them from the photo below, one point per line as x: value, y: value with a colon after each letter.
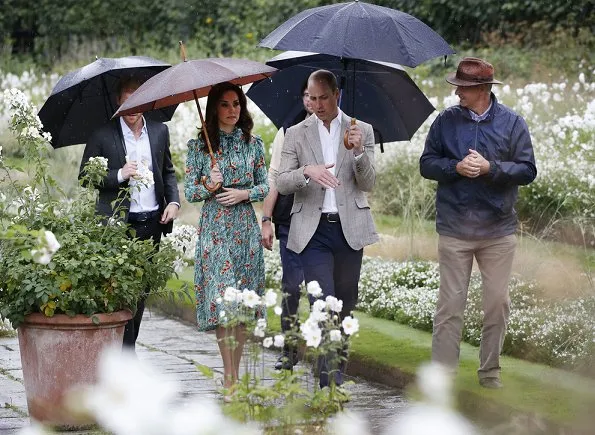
x: 191, y: 80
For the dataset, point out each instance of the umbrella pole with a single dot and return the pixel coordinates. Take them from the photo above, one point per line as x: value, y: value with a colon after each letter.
x: 346, y: 142
x: 210, y: 187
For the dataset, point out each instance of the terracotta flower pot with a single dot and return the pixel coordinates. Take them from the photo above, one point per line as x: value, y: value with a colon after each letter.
x: 60, y: 352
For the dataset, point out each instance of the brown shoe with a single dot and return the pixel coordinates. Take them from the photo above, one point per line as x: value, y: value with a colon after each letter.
x: 493, y: 383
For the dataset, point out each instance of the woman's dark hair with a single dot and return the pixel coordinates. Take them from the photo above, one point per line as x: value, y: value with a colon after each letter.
x: 245, y: 122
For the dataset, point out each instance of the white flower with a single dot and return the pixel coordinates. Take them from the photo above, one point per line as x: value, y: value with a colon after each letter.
x: 314, y: 289
x: 179, y: 265
x: 318, y: 316
x: 41, y: 256
x: 267, y: 342
x: 348, y: 423
x: 335, y: 335
x: 279, y: 340
x: 319, y: 306
x: 130, y: 397
x: 311, y: 333
x: 250, y: 298
x: 270, y: 298
x: 230, y: 294
x: 222, y: 314
x: 278, y: 310
x: 51, y: 242
x: 350, y: 325
x: 259, y: 332
x: 334, y: 304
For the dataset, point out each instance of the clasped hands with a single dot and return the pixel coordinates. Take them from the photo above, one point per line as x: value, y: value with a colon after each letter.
x: 229, y: 196
x: 473, y: 165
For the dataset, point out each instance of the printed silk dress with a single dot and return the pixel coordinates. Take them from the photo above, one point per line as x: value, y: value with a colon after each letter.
x: 228, y: 251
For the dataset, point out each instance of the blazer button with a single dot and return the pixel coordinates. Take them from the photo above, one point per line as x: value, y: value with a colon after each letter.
x: 319, y: 208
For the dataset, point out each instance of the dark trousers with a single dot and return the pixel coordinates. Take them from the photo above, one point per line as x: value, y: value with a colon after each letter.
x: 293, y: 276
x: 144, y: 230
x: 330, y: 260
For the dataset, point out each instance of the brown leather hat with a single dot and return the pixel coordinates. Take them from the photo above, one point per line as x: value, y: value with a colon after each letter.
x: 472, y: 72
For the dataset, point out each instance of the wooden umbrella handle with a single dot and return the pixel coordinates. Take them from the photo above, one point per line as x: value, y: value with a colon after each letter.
x: 211, y: 187
x: 348, y: 145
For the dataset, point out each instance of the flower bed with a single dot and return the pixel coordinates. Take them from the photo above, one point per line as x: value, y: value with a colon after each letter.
x: 560, y: 334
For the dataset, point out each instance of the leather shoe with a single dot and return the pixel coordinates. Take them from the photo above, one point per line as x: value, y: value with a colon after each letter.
x: 493, y: 383
x: 286, y: 361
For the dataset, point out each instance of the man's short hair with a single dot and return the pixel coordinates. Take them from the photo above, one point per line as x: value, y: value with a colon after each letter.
x: 326, y: 77
x: 128, y: 83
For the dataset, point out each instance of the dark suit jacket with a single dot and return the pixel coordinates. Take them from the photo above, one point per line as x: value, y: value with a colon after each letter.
x: 108, y: 142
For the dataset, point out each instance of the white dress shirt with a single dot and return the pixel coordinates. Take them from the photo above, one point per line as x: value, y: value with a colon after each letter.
x: 139, y: 150
x: 330, y: 141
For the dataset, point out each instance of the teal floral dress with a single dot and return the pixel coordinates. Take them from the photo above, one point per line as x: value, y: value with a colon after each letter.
x: 228, y: 251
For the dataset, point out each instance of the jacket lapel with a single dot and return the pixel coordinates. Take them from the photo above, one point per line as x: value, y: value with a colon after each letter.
x: 119, y: 142
x: 153, y: 145
x: 342, y: 151
x: 313, y: 139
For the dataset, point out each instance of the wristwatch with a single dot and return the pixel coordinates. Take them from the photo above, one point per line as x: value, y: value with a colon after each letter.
x: 266, y: 219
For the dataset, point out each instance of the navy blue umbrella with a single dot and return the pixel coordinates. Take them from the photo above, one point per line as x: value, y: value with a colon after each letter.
x: 359, y: 30
x: 85, y: 99
x: 379, y: 93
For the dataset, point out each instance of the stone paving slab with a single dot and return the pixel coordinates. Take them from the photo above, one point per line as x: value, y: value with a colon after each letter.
x: 173, y: 348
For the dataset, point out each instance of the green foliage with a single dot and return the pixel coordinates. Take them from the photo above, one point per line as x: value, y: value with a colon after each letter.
x: 94, y: 267
x: 400, y: 190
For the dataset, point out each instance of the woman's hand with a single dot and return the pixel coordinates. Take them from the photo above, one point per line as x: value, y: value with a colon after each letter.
x: 215, y: 175
x: 231, y: 197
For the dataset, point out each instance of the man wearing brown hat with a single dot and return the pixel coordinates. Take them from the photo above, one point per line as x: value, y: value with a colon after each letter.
x: 479, y: 152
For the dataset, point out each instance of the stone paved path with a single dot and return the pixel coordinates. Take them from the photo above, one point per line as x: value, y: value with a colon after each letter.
x: 172, y: 348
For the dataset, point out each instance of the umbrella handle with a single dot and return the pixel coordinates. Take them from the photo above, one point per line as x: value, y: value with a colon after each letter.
x: 348, y: 145
x: 211, y: 187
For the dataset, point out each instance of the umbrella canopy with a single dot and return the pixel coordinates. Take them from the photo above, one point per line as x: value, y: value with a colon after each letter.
x: 359, y: 30
x: 192, y: 79
x: 379, y: 93
x: 85, y: 99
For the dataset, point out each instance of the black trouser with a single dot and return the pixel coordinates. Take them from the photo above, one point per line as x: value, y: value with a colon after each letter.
x: 330, y: 260
x: 146, y: 229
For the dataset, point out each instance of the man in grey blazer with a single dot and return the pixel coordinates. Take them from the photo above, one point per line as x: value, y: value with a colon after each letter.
x: 331, y: 220
x: 130, y: 143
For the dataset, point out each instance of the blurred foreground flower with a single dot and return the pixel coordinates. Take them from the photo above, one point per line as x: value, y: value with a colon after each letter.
x: 434, y: 415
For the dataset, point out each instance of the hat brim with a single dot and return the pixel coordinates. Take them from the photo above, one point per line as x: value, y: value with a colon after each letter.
x: 452, y: 79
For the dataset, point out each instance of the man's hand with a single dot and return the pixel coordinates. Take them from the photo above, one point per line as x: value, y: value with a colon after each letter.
x: 266, y: 233
x: 355, y: 138
x: 129, y: 170
x: 473, y: 165
x: 484, y: 165
x: 169, y: 214
x: 231, y: 197
x: 320, y: 174
x: 215, y: 175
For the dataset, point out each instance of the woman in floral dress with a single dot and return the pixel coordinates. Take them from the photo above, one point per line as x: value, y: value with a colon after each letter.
x: 228, y: 252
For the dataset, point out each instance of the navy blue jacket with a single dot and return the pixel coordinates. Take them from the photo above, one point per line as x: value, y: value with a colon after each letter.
x: 482, y: 207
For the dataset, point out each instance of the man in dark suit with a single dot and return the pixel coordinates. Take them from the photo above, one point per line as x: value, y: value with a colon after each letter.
x: 134, y: 146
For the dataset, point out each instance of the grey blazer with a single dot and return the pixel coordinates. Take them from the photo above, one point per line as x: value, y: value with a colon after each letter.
x: 302, y: 147
x: 108, y: 142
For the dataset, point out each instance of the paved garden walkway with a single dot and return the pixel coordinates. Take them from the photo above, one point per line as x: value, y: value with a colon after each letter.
x: 173, y: 347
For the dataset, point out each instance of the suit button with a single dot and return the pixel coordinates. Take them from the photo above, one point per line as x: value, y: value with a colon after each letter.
x: 319, y: 208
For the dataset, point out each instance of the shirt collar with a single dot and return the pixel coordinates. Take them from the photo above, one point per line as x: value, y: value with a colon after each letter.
x: 126, y: 131
x: 334, y: 121
x: 484, y: 115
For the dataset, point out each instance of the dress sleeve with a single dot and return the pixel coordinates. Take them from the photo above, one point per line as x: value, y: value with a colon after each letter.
x: 261, y: 184
x: 197, y: 165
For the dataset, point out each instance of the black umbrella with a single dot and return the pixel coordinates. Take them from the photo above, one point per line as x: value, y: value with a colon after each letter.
x: 85, y: 99
x: 379, y: 93
x: 359, y: 30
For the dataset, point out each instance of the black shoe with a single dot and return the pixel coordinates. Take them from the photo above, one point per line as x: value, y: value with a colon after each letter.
x: 493, y: 383
x: 286, y: 361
